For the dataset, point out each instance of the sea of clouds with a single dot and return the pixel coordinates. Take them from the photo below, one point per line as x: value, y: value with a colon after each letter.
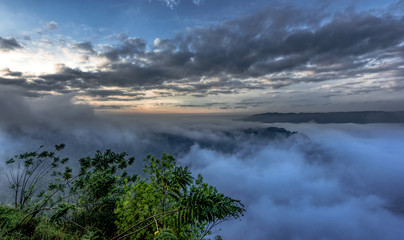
x: 332, y: 181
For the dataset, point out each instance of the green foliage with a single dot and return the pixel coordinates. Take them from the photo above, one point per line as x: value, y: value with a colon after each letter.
x: 40, y: 228
x: 9, y: 218
x: 165, y: 234
x: 189, y: 208
x: 104, y: 202
x: 28, y: 171
x: 204, y: 203
x: 98, y: 187
x: 139, y: 202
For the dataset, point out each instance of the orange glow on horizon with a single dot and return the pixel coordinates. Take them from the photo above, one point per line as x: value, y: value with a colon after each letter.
x: 166, y: 111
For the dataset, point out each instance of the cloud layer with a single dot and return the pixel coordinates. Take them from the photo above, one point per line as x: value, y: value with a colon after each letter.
x: 279, y: 50
x: 323, y: 182
x: 340, y: 183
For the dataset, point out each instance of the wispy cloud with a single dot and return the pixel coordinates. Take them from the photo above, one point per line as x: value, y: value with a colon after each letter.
x: 172, y: 3
x: 52, y: 26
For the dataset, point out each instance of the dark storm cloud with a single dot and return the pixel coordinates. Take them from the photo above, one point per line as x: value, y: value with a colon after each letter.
x: 9, y: 44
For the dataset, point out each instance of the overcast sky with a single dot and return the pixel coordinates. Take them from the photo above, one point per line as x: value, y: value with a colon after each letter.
x: 205, y: 55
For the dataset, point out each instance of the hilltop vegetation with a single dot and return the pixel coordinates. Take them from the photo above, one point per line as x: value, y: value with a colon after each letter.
x: 104, y: 201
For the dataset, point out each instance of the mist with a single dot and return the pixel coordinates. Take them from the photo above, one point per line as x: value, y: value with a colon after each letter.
x: 333, y: 182
x: 297, y: 181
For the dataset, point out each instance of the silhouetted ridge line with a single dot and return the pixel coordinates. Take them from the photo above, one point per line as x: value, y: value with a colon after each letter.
x: 362, y: 117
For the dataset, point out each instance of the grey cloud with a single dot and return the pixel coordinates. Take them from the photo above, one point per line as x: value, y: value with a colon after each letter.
x: 14, y: 110
x: 51, y: 26
x: 126, y: 99
x: 189, y: 56
x: 245, y: 54
x: 114, y: 107
x: 13, y: 81
x: 129, y: 47
x: 129, y: 74
x: 24, y: 88
x: 219, y: 105
x: 50, y: 112
x: 26, y: 37
x: 8, y: 72
x: 271, y: 41
x: 198, y: 95
x: 58, y: 110
x: 84, y: 46
x: 122, y: 75
x: 9, y: 44
x: 106, y: 93
x: 67, y: 77
x: 205, y: 105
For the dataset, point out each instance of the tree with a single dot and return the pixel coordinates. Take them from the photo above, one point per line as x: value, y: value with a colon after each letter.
x: 98, y: 187
x: 171, y: 204
x: 31, y: 171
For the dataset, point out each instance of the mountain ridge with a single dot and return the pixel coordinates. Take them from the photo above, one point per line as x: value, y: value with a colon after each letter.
x: 361, y: 117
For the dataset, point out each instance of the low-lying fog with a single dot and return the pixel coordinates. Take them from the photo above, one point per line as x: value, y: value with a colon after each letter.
x: 332, y: 181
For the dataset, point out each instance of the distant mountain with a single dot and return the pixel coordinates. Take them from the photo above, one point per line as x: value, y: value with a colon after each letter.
x: 330, y: 117
x: 227, y: 141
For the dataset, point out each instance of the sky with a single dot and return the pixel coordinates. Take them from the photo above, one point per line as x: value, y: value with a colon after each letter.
x: 205, y: 56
